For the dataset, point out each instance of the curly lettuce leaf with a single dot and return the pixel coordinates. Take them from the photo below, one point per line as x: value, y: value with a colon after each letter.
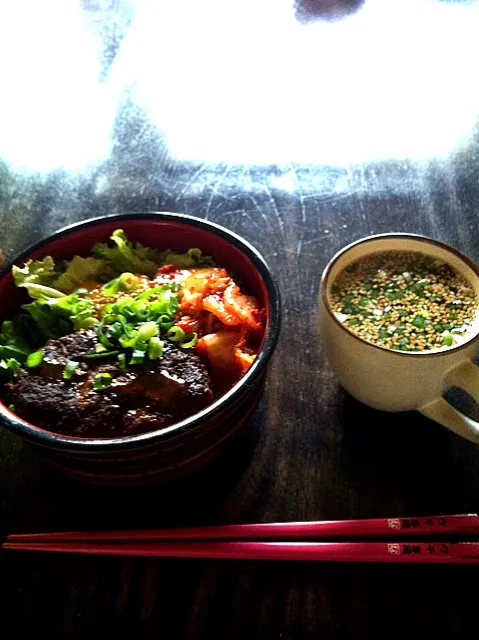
x: 46, y: 319
x: 41, y: 292
x: 42, y: 277
x: 9, y: 366
x: 58, y: 309
x: 13, y: 343
x: 79, y: 270
x: 56, y: 317
x: 38, y: 277
x: 48, y: 323
x: 79, y: 310
x: 128, y: 256
x: 136, y: 258
x: 187, y: 260
x: 42, y: 272
x: 45, y: 279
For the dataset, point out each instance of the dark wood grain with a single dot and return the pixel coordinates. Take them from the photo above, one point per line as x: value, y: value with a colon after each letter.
x: 313, y: 451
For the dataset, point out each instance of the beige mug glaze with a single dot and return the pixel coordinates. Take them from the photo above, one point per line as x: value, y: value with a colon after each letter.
x: 392, y: 380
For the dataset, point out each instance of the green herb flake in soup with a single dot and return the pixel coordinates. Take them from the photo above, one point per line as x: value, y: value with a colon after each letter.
x: 404, y: 300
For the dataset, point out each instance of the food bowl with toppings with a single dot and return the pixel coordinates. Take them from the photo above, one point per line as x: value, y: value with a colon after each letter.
x: 134, y: 348
x: 399, y: 319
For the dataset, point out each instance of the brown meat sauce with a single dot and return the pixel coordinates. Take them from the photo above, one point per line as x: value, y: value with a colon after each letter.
x: 144, y: 398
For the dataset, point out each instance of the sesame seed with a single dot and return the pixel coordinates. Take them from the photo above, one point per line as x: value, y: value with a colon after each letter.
x: 402, y: 300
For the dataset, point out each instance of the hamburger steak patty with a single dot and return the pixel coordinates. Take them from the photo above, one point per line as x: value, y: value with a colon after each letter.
x: 144, y: 398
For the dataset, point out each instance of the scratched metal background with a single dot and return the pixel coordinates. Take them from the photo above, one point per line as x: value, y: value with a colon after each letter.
x: 314, y: 452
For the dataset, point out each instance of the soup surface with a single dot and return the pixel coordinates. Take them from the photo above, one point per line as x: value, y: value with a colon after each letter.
x: 404, y: 300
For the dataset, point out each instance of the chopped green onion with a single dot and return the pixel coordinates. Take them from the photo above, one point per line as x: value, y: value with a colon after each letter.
x: 191, y: 343
x: 126, y: 327
x: 140, y: 345
x: 9, y: 365
x: 122, y: 303
x: 99, y: 348
x: 115, y: 330
x: 111, y: 288
x: 354, y: 321
x: 141, y: 309
x: 73, y: 305
x: 150, y: 292
x: 447, y: 341
x: 438, y: 328
x: 393, y: 296
x: 129, y: 314
x: 166, y: 303
x: 122, y: 362
x: 102, y: 381
x: 419, y: 291
x: 138, y: 357
x: 148, y: 330
x: 165, y: 322
x: 176, y: 334
x: 11, y: 407
x: 155, y: 348
x: 101, y: 354
x: 419, y: 322
x: 128, y: 281
x: 34, y: 359
x: 175, y: 286
x: 127, y: 342
x: 101, y: 336
x: 70, y: 369
x: 83, y: 320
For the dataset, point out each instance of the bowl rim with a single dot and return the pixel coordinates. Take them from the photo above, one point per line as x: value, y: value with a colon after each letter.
x: 50, y: 439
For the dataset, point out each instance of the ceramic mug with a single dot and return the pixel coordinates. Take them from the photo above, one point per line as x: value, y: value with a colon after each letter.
x: 392, y: 380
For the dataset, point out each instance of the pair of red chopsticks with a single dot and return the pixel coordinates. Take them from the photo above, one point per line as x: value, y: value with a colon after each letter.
x: 280, y: 541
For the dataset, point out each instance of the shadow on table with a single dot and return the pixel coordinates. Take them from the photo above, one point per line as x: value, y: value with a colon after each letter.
x: 64, y: 504
x: 407, y: 461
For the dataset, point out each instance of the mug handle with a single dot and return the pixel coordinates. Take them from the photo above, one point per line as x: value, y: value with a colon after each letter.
x: 466, y: 376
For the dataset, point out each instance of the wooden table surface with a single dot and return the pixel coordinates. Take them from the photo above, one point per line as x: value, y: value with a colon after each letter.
x: 301, y: 144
